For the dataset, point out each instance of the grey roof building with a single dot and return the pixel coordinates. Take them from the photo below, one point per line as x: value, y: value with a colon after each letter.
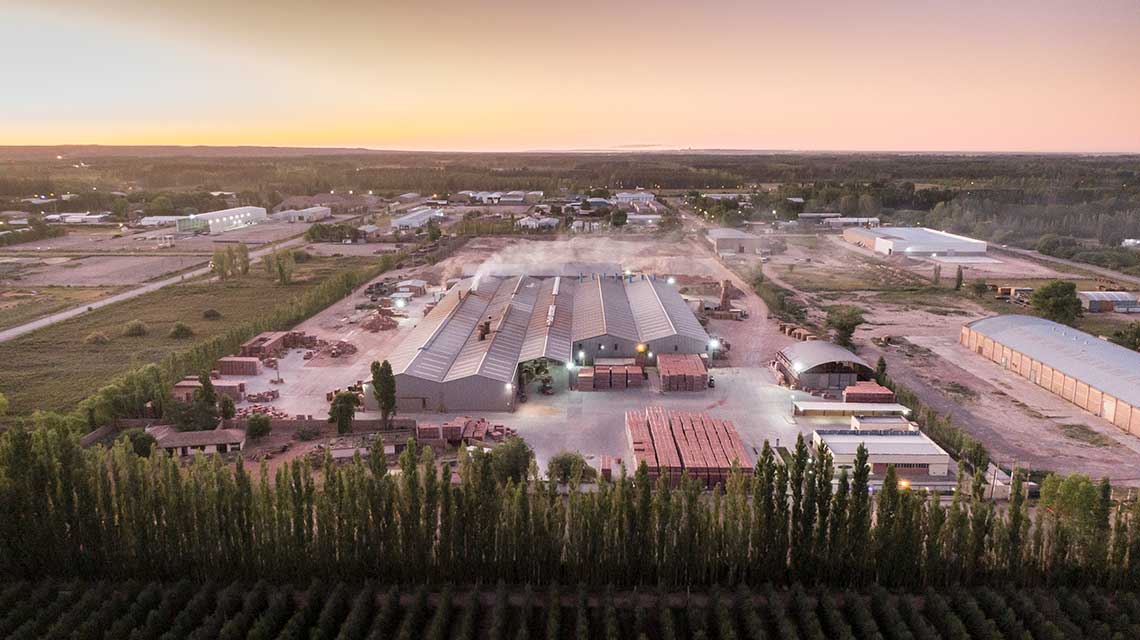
x: 821, y: 365
x: 465, y: 354
x: 1101, y: 377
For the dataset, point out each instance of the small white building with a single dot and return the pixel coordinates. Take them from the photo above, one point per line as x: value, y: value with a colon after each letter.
x: 914, y: 241
x: 537, y: 223
x: 84, y: 218
x: 630, y: 197
x: 308, y: 214
x: 187, y: 443
x: 159, y: 221
x: 216, y: 222
x: 911, y: 453
x: 643, y: 219
x: 513, y: 197
x: 418, y: 217
x: 726, y: 240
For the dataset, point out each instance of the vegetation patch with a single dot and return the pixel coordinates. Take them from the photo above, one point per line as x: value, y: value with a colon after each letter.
x: 1083, y: 433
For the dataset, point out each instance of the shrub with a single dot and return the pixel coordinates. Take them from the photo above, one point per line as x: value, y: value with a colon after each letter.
x: 212, y: 314
x: 135, y: 329
x: 308, y: 433
x: 181, y: 331
x: 300, y: 255
x: 259, y: 427
x: 96, y: 338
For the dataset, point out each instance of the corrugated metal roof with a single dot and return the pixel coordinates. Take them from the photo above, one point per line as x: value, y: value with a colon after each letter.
x: 601, y: 308
x: 659, y: 311
x: 536, y: 318
x: 810, y: 354
x: 1108, y: 296
x: 551, y: 323
x: 1101, y: 364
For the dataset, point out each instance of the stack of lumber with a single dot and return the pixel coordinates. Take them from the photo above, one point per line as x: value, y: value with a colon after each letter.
x: 682, y: 372
x: 868, y: 391
x: 673, y: 442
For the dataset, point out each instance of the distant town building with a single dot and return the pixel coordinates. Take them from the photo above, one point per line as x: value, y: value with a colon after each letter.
x: 630, y: 197
x: 216, y: 222
x: 418, y: 217
x: 308, y: 214
x: 914, y: 241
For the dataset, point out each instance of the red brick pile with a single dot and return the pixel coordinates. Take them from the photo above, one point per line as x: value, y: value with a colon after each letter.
x: 868, y: 391
x: 682, y: 372
x: 610, y: 377
x: 672, y: 442
x: 239, y: 366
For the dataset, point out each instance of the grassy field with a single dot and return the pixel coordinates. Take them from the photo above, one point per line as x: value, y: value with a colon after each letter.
x: 24, y: 304
x: 56, y: 367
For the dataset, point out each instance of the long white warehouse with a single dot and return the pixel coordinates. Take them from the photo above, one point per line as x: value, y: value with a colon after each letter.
x: 914, y: 241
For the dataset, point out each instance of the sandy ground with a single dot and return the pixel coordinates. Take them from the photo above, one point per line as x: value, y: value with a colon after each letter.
x: 1017, y: 421
x: 105, y: 270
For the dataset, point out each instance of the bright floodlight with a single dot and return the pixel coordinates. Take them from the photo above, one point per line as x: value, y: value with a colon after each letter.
x: 510, y: 387
x: 671, y: 280
x: 401, y: 303
x: 582, y: 354
x: 714, y: 343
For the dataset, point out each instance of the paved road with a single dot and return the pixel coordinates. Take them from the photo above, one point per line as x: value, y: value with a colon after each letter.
x: 14, y: 332
x: 1091, y: 268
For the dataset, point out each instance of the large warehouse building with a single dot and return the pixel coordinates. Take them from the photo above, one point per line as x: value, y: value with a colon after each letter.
x: 734, y: 241
x: 914, y: 241
x: 1098, y: 376
x: 465, y: 354
x: 821, y: 365
x: 216, y: 222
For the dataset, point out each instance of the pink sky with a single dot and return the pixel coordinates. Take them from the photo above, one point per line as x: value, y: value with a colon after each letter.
x: 518, y: 74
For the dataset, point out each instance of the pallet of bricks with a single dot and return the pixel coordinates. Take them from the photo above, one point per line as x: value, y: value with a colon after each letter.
x: 682, y: 372
x: 239, y: 366
x: 672, y: 442
x: 609, y: 377
x: 868, y: 391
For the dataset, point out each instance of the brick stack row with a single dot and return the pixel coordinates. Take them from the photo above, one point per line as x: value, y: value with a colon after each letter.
x: 672, y: 442
x: 610, y: 377
x: 682, y: 372
x: 868, y: 391
x: 239, y: 366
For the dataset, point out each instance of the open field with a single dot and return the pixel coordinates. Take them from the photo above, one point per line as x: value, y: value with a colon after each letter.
x: 58, y: 367
x: 97, y: 240
x: 337, y: 609
x: 102, y: 270
x: 23, y: 304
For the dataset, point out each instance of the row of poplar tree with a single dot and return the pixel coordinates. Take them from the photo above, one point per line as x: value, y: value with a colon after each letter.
x: 110, y: 513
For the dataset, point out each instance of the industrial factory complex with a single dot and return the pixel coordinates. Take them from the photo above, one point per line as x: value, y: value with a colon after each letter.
x: 466, y: 353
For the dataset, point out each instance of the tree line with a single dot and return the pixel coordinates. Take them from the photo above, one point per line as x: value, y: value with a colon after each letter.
x: 66, y: 511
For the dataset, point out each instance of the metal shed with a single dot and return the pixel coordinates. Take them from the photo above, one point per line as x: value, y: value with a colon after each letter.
x: 821, y: 365
x: 1101, y: 301
x: 1096, y: 375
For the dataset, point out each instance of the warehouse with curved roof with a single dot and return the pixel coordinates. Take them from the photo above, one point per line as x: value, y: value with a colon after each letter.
x: 821, y: 365
x: 1096, y: 375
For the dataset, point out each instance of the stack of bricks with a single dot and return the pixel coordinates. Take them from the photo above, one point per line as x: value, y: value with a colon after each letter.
x: 239, y: 366
x: 672, y: 442
x: 682, y: 372
x: 609, y: 377
x: 868, y: 391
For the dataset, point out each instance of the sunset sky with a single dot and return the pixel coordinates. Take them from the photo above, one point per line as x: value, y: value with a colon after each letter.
x: 1012, y: 75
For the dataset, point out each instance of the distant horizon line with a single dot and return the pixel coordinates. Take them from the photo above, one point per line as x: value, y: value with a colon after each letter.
x: 620, y: 149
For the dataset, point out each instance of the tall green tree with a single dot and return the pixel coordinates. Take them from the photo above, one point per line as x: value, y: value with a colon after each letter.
x: 342, y: 411
x: 384, y: 390
x: 1057, y: 301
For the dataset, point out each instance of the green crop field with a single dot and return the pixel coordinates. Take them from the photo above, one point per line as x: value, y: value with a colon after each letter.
x: 56, y: 367
x: 56, y: 609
